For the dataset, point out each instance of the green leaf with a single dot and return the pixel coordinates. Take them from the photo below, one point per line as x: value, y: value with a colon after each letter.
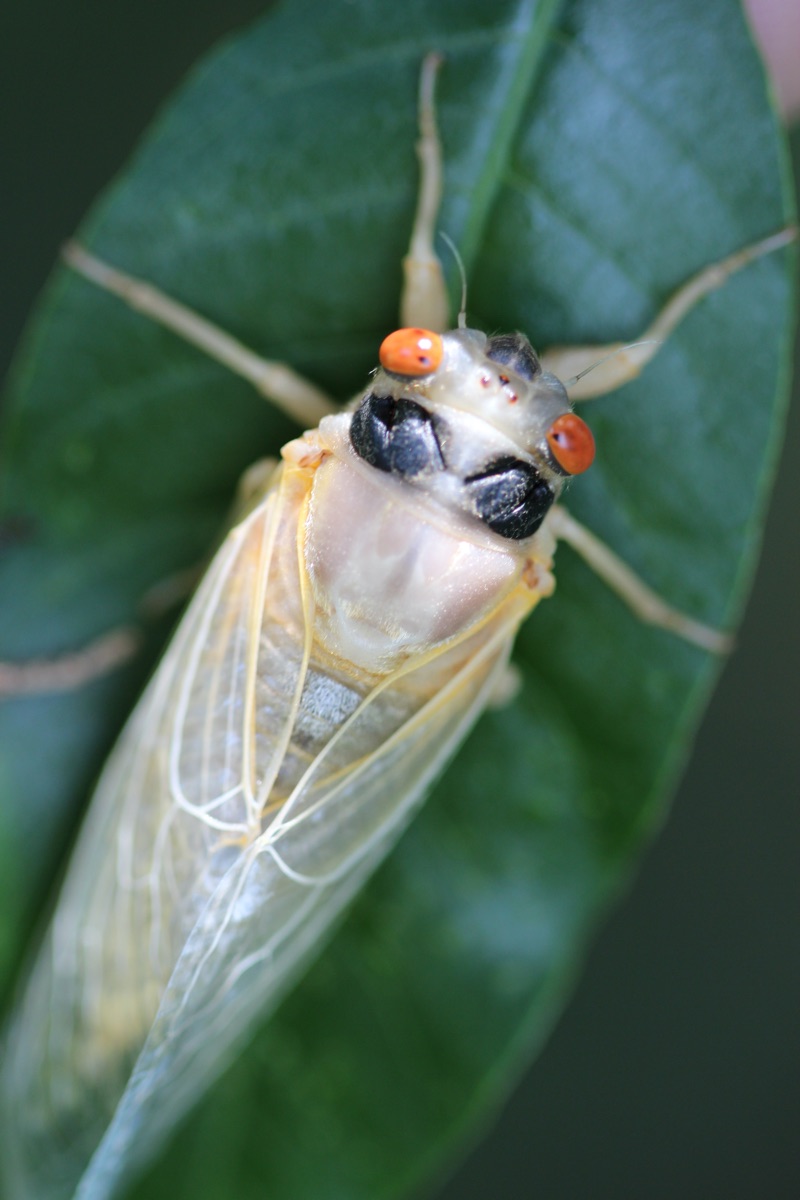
x: 597, y: 155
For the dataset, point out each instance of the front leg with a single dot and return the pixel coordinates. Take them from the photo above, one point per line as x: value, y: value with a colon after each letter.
x: 424, y: 300
x: 590, y: 371
x: 289, y: 391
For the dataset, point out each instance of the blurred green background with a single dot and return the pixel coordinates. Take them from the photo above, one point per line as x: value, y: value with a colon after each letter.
x: 676, y: 1069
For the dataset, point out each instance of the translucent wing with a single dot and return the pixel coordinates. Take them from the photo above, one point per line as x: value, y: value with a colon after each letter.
x: 254, y: 790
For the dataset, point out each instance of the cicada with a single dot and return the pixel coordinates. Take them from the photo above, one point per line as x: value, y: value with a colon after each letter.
x: 356, y: 620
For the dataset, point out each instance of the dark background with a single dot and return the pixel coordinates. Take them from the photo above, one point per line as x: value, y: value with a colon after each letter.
x: 676, y: 1069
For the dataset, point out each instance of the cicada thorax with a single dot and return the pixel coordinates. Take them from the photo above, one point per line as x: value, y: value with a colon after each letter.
x: 432, y: 498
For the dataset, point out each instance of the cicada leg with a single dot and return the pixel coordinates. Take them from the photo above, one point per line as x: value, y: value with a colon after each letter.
x: 646, y: 604
x: 285, y: 388
x: 113, y: 649
x: 424, y: 301
x: 590, y: 371
x: 69, y: 671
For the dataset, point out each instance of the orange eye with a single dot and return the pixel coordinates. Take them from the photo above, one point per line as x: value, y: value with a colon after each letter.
x: 572, y: 444
x: 411, y: 352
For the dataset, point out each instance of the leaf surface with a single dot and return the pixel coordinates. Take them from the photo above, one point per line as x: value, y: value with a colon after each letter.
x: 597, y: 155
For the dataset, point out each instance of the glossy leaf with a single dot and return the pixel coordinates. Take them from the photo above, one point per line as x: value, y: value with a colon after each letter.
x: 597, y: 155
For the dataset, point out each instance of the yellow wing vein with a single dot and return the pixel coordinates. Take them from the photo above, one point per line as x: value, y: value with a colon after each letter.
x: 307, y: 605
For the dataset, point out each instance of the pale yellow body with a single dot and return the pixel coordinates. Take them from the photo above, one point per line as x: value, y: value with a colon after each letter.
x: 321, y: 677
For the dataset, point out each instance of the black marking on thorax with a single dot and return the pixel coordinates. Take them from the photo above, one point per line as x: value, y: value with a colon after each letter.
x: 398, y: 436
x: 402, y: 437
x: 510, y: 496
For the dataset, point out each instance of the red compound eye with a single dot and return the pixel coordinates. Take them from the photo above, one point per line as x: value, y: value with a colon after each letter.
x: 411, y: 352
x: 571, y: 443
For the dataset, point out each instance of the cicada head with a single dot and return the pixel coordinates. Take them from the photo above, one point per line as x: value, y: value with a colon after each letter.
x: 476, y: 421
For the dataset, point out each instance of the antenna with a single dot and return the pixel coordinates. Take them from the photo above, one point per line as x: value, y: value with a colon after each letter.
x: 462, y: 312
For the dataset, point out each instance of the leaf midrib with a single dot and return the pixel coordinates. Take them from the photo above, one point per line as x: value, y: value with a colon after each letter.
x: 519, y: 87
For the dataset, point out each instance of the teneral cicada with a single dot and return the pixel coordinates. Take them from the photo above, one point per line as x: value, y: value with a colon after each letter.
x: 356, y: 620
